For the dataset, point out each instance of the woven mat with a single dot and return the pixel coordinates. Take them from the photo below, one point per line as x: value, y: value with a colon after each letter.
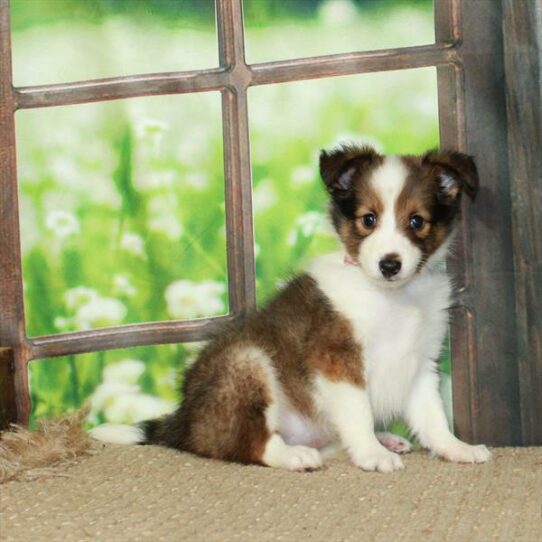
x: 151, y: 493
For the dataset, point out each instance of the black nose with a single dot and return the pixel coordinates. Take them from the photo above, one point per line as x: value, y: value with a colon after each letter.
x: 389, y: 267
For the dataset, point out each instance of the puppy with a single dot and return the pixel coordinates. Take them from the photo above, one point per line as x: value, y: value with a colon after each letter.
x: 348, y: 345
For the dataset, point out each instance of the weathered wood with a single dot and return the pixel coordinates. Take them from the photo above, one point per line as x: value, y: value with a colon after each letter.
x: 522, y: 26
x: 116, y: 88
x: 80, y: 342
x: 12, y: 324
x: 484, y: 336
x: 237, y: 169
x: 451, y: 99
x: 234, y: 75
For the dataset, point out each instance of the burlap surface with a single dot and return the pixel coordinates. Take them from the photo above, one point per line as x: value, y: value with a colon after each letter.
x: 150, y: 493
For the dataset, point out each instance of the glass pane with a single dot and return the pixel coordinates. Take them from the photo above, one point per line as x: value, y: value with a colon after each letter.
x: 122, y: 212
x: 56, y: 41
x: 121, y: 386
x: 397, y: 112
x: 277, y: 30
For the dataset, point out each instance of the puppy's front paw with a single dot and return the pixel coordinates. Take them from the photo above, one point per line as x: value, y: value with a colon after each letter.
x: 461, y: 452
x: 377, y: 459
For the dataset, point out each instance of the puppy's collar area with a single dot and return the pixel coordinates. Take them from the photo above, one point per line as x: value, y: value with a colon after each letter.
x: 348, y: 260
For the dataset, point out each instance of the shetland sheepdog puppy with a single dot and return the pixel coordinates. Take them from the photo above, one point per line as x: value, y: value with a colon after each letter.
x: 347, y: 346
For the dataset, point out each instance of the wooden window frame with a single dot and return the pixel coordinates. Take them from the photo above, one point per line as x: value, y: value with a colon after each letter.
x: 487, y: 55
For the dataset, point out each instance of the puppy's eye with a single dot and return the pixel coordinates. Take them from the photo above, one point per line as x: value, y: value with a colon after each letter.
x: 369, y: 220
x: 416, y: 222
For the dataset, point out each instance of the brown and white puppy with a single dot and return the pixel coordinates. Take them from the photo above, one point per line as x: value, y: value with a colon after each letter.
x: 349, y: 345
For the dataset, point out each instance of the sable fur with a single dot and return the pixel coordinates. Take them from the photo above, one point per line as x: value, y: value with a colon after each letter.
x: 347, y: 346
x: 224, y: 398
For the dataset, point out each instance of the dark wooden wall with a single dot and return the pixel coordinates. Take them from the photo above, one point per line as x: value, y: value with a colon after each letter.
x: 522, y: 29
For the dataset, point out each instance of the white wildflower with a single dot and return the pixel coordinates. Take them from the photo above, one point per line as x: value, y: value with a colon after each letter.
x: 186, y: 299
x: 123, y: 286
x: 198, y: 180
x: 162, y: 203
x: 102, y: 192
x: 306, y: 225
x: 65, y: 171
x: 62, y: 324
x: 337, y: 12
x: 302, y: 175
x: 264, y: 196
x: 107, y: 392
x: 126, y: 370
x: 100, y: 312
x: 75, y: 297
x: 167, y: 224
x: 146, y: 180
x: 62, y: 224
x: 133, y: 243
x: 210, y: 296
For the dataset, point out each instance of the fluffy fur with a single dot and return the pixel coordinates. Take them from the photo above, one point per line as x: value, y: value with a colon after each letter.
x: 347, y: 346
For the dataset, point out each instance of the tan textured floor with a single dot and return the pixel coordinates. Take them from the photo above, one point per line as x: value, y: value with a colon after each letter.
x: 150, y: 493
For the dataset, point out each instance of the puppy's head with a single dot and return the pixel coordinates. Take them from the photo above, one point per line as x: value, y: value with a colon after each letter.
x: 393, y: 213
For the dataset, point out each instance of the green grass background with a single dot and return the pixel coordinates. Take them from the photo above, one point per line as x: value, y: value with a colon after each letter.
x: 94, y: 176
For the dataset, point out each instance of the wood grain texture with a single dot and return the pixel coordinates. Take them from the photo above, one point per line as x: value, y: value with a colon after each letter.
x: 232, y: 74
x: 237, y: 168
x: 12, y: 323
x: 484, y: 348
x: 522, y: 25
x: 81, y: 342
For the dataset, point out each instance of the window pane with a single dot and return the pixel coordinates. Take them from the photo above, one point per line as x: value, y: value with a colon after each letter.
x: 56, y: 41
x: 396, y: 112
x: 278, y: 30
x: 121, y: 386
x: 122, y: 212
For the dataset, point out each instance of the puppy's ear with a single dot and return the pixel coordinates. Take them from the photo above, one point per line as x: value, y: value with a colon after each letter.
x: 455, y: 173
x: 339, y: 167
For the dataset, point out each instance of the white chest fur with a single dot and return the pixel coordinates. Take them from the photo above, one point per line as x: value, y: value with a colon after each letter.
x: 401, y: 330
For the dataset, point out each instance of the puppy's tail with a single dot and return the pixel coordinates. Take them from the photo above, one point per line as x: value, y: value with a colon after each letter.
x: 165, y: 431
x: 118, y: 433
x: 153, y: 431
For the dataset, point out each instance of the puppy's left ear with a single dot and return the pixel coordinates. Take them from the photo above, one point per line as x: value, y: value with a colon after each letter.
x: 455, y: 172
x: 339, y: 167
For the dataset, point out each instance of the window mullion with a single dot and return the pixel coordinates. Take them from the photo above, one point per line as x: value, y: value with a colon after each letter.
x: 239, y: 221
x: 14, y: 389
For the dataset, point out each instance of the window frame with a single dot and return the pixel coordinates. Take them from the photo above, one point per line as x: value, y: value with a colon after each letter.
x: 494, y: 393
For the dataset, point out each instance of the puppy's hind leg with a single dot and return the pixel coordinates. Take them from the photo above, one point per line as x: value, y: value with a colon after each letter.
x: 276, y: 452
x: 235, y: 415
x: 297, y: 458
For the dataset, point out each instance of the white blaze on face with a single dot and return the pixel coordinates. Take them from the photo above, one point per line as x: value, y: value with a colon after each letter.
x: 389, y: 236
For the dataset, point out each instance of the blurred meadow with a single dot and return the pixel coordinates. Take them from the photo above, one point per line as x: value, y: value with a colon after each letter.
x: 122, y: 203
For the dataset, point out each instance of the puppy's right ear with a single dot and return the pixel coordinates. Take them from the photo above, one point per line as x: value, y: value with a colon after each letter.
x: 339, y: 167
